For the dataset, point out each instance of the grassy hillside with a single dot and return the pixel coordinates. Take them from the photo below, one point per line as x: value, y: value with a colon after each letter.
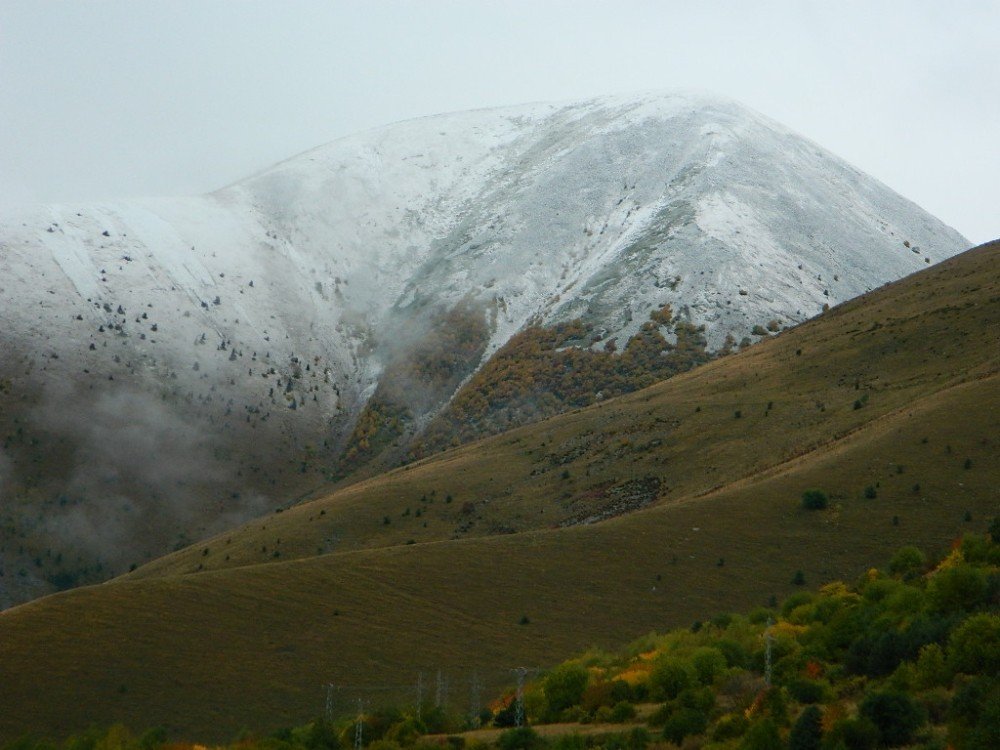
x: 730, y: 420
x: 889, y: 404
x: 907, y: 655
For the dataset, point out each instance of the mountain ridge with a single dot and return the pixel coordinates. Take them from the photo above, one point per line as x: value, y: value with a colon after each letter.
x: 257, y: 321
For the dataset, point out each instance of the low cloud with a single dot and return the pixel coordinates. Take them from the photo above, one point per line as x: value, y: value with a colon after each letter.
x: 142, y: 475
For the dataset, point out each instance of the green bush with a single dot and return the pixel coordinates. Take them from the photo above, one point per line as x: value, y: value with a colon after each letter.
x: 806, y: 691
x: 322, y: 735
x: 622, y: 712
x: 985, y: 733
x: 595, y: 695
x: 796, y: 600
x: 936, y: 703
x: 572, y: 741
x: 975, y: 715
x: 670, y: 676
x: 153, y: 738
x: 975, y: 548
x: 730, y: 726
x: 564, y: 686
x: 521, y: 738
x: 734, y: 653
x: 932, y: 669
x: 604, y: 693
x: 708, y: 663
x: 762, y: 735
x: 775, y: 705
x: 974, y: 646
x: 86, y: 740
x: 960, y: 587
x: 807, y: 732
x: 621, y: 691
x: 506, y: 716
x: 659, y: 717
x: 437, y: 721
x: 970, y: 697
x: 814, y: 500
x: 907, y: 562
x: 683, y: 723
x: 638, y: 739
x: 852, y: 734
x: 699, y: 698
x: 895, y: 715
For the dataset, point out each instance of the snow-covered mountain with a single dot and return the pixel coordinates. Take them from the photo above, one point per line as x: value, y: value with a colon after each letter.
x: 235, y: 332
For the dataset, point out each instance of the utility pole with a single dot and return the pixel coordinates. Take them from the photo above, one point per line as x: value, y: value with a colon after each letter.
x: 329, y: 702
x: 474, y: 701
x: 359, y: 727
x: 519, y: 696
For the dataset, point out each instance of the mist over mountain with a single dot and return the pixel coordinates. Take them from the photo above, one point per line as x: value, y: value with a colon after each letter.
x: 170, y: 366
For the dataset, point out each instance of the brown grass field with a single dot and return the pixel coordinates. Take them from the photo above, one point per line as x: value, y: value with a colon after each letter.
x: 898, y: 391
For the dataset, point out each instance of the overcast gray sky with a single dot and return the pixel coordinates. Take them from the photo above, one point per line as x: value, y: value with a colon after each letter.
x: 112, y: 99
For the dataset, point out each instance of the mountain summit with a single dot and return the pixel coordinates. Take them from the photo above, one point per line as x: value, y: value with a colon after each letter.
x: 173, y: 365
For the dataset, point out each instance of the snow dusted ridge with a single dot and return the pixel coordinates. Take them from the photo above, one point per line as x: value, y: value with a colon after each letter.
x: 603, y: 209
x: 260, y: 309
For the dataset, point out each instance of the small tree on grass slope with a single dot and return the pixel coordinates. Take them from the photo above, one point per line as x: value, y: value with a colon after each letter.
x: 564, y: 686
x: 814, y: 500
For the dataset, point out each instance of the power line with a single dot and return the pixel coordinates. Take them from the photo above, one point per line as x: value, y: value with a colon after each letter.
x: 474, y: 697
x: 521, y: 673
x: 359, y: 726
x: 477, y: 681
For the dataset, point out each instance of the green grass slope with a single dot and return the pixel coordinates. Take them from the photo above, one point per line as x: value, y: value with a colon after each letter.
x: 249, y: 641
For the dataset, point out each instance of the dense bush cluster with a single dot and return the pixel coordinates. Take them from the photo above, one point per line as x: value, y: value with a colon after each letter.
x: 906, y: 657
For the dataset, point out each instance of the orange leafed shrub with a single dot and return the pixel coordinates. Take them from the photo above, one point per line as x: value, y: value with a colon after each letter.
x: 636, y: 674
x: 813, y: 669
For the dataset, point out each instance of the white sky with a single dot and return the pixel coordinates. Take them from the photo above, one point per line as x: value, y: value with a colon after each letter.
x: 113, y: 99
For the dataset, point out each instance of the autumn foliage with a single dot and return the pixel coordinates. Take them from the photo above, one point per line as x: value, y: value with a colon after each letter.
x: 543, y: 371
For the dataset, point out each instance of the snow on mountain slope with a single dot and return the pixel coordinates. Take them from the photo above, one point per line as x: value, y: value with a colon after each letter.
x: 247, y: 327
